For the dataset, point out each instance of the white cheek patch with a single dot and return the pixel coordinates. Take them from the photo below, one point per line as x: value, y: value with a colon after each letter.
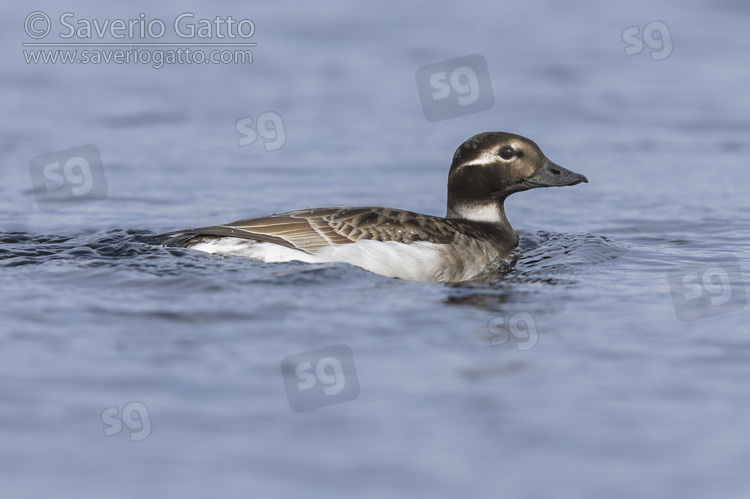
x: 486, y: 158
x: 492, y: 157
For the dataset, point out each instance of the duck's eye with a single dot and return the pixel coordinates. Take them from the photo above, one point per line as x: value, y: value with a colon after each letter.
x: 507, y: 152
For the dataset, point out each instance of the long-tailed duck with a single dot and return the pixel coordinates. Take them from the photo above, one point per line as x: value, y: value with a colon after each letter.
x: 473, y: 237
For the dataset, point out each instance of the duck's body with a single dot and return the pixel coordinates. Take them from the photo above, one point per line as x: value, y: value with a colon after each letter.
x: 474, y: 237
x: 394, y: 243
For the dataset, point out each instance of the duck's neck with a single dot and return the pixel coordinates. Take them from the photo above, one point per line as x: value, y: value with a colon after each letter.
x: 490, y: 211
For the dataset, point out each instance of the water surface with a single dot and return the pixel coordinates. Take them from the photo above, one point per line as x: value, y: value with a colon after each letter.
x: 603, y: 392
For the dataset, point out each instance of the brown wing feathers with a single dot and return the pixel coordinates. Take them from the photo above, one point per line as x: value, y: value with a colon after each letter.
x: 311, y: 230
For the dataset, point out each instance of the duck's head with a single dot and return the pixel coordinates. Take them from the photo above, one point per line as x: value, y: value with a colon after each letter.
x: 491, y: 166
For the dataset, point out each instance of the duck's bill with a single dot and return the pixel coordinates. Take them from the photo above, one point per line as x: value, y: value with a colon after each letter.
x: 553, y: 175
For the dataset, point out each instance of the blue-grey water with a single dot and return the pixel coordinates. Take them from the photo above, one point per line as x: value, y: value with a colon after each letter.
x: 612, y: 361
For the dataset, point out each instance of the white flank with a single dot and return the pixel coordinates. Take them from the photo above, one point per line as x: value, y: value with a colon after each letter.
x: 419, y: 261
x: 267, y: 252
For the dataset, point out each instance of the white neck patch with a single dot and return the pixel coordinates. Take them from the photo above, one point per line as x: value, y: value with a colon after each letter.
x: 480, y: 213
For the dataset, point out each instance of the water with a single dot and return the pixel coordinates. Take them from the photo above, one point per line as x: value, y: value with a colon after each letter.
x: 601, y: 391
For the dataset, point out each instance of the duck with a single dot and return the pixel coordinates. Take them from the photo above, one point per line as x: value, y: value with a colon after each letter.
x: 473, y: 240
